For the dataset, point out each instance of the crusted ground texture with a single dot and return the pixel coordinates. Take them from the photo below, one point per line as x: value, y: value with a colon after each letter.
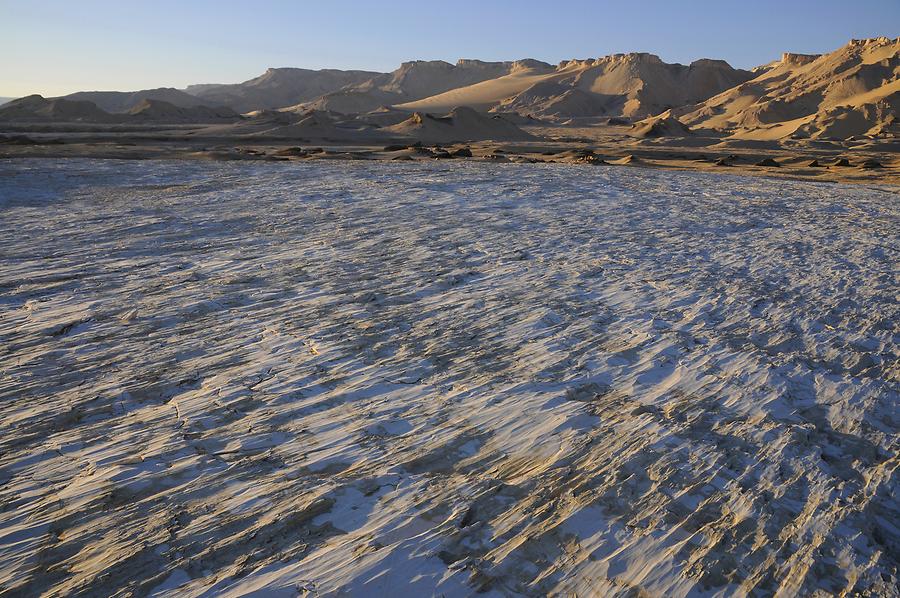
x: 356, y: 378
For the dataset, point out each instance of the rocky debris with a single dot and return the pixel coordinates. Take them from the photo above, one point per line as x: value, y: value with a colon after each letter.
x: 297, y: 152
x: 768, y: 162
x: 593, y: 159
x: 728, y: 160
x: 663, y: 125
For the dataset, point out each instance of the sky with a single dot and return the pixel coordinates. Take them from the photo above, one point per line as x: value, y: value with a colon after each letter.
x: 54, y: 47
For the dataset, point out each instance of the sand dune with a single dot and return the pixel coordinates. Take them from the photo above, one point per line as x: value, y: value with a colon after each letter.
x: 39, y: 108
x: 322, y: 125
x: 413, y: 80
x: 125, y: 101
x: 661, y: 125
x: 61, y: 110
x: 854, y: 90
x: 278, y: 87
x: 549, y: 98
x: 160, y: 111
x: 384, y: 117
x: 842, y: 122
x: 621, y: 84
x: 851, y: 95
x: 851, y: 92
x: 461, y: 124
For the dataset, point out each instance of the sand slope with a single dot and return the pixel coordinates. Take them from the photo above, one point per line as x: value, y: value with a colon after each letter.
x: 61, y: 110
x: 39, y: 108
x: 278, y: 87
x: 326, y: 126
x: 661, y: 125
x: 160, y: 111
x: 854, y: 90
x: 850, y: 93
x: 124, y: 101
x: 461, y: 124
x: 413, y: 80
x: 637, y: 84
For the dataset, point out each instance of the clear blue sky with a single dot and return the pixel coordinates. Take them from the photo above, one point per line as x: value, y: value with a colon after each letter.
x: 58, y: 46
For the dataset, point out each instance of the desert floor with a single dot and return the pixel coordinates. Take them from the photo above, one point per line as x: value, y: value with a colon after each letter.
x: 367, y: 378
x: 608, y: 146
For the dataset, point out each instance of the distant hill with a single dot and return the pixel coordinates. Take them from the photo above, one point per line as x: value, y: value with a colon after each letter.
x: 852, y: 91
x: 36, y: 108
x: 160, y: 111
x: 412, y: 81
x: 5, y: 100
x: 461, y: 124
x: 633, y: 85
x: 278, y: 88
x: 123, y: 101
x: 39, y: 108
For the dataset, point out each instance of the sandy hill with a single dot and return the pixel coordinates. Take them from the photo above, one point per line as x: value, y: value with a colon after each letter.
x: 412, y: 81
x: 315, y: 125
x: 461, y: 124
x: 321, y: 125
x: 854, y: 90
x: 277, y: 88
x: 160, y: 111
x: 633, y: 85
x: 549, y: 98
x: 39, y: 108
x: 383, y: 117
x: 252, y: 123
x: 661, y: 125
x: 124, y: 101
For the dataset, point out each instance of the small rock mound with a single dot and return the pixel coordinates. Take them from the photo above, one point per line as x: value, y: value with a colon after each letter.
x: 297, y: 152
x: 768, y: 162
x: 728, y: 160
x: 461, y: 124
x: 663, y: 125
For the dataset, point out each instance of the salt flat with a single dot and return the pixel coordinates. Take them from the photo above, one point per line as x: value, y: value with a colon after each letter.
x: 359, y: 378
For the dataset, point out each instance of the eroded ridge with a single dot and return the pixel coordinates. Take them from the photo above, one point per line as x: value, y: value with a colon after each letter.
x: 355, y: 378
